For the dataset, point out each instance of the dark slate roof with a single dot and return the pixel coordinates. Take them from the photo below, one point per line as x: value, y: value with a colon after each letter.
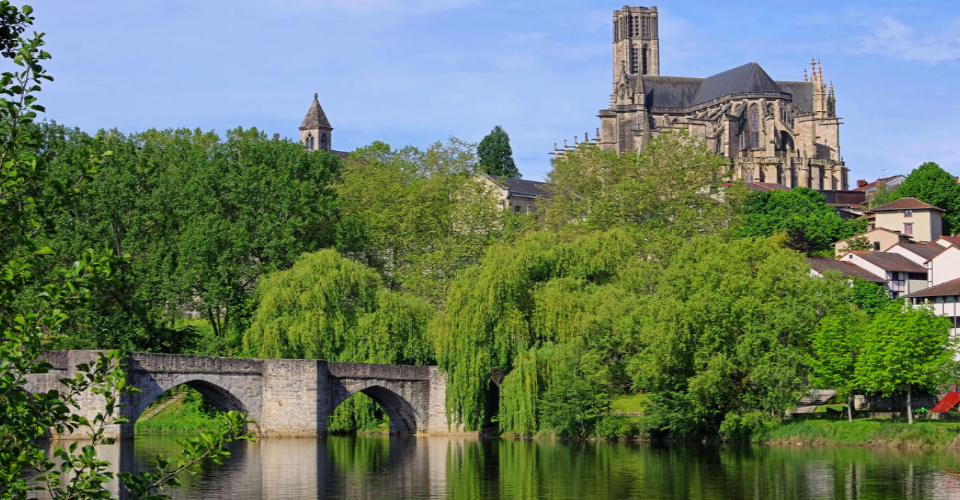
x: 671, y: 91
x: 849, y: 197
x: 522, y: 186
x: 747, y: 78
x: 942, y: 290
x: 891, y: 262
x: 802, y: 93
x: 905, y: 204
x: 925, y: 250
x: 315, y: 117
x: 844, y: 268
x: 341, y: 154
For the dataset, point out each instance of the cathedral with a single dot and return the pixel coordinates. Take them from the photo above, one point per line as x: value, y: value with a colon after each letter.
x: 784, y: 132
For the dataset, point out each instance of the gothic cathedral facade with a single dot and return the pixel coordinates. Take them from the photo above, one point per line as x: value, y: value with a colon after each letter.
x: 785, y: 132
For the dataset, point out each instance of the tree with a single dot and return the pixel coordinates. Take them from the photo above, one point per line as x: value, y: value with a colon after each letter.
x: 934, y: 185
x: 803, y: 214
x: 835, y: 348
x: 673, y: 190
x: 495, y: 154
x: 870, y: 297
x: 419, y: 218
x: 35, y: 309
x: 906, y: 348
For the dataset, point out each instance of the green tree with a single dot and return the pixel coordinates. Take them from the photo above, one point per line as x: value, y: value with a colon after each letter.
x: 868, y: 296
x: 936, y: 186
x: 495, y: 154
x: 35, y: 309
x: 906, y: 348
x: 835, y: 349
x: 802, y: 214
x: 419, y: 217
x: 673, y: 190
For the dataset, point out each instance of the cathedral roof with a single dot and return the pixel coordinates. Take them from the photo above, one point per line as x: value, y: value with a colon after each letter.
x: 680, y: 92
x: 315, y: 117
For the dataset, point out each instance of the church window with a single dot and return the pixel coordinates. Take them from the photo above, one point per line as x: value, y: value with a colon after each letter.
x: 516, y: 209
x: 309, y: 142
x: 323, y: 141
x: 634, y: 60
x: 754, y: 126
x: 748, y: 177
x: 743, y: 141
x: 646, y: 28
x: 644, y: 66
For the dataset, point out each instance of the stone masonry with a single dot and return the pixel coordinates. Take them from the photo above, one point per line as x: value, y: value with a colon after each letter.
x: 286, y: 397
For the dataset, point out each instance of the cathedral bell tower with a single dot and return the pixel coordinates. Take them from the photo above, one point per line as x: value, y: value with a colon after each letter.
x: 315, y: 131
x: 636, y: 42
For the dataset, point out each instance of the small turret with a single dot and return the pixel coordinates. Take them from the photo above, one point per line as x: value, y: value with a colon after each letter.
x: 315, y: 131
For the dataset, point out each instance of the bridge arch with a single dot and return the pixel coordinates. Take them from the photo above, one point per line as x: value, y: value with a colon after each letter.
x: 404, y: 418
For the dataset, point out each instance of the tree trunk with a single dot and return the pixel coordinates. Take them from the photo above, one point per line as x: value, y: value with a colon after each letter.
x: 909, y: 408
x: 850, y: 406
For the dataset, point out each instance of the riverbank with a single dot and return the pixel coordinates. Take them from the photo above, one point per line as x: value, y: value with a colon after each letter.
x: 866, y: 432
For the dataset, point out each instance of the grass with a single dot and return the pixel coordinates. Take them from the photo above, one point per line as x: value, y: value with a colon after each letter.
x: 630, y: 403
x: 867, y: 432
x: 188, y: 413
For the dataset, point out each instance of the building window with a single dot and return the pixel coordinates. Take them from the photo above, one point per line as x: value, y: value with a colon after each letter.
x: 644, y: 65
x: 876, y: 246
x: 323, y: 141
x: 634, y: 60
x: 743, y: 141
x: 908, y: 213
x: 516, y: 209
x: 754, y: 126
x: 907, y: 228
x: 309, y: 142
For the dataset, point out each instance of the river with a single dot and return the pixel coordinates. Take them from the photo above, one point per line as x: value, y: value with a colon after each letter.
x: 382, y: 468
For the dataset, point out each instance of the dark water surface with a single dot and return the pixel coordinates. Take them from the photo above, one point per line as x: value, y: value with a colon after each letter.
x: 462, y: 468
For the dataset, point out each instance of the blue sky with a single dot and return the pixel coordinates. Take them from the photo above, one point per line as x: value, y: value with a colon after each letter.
x: 418, y: 71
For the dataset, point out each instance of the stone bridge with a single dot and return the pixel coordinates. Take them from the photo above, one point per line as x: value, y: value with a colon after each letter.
x: 286, y: 397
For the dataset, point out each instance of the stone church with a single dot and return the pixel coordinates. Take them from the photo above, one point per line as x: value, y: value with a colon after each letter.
x: 316, y: 132
x: 784, y: 132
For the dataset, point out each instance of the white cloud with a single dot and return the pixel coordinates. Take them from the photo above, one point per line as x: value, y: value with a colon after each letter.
x: 893, y: 38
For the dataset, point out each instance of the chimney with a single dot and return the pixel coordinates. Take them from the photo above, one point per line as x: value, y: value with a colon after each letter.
x: 861, y: 183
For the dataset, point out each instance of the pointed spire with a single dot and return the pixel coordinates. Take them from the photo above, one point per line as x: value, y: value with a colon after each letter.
x: 598, y: 134
x: 315, y: 116
x: 564, y: 144
x: 804, y: 74
x: 831, y: 89
x: 819, y: 71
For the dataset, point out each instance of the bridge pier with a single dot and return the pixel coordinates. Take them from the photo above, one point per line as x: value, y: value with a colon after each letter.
x: 286, y: 397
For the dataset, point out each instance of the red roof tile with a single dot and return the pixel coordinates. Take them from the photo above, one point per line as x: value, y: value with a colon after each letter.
x: 847, y: 269
x: 905, y: 204
x: 891, y: 262
x: 941, y: 290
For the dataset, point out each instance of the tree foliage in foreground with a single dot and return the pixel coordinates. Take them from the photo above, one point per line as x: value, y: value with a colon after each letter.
x: 835, y: 351
x: 36, y: 309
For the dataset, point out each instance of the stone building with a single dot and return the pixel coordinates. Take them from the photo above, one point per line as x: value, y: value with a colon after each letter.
x: 784, y: 132
x: 316, y: 133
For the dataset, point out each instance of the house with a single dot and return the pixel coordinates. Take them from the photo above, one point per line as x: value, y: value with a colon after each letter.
x: 869, y: 189
x: 945, y: 266
x: 880, y: 240
x: 819, y: 267
x: 921, y: 253
x: 517, y: 195
x: 911, y: 217
x: 947, y: 241
x: 945, y: 300
x: 901, y: 274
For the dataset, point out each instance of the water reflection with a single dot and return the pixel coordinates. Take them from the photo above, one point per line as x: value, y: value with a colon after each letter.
x: 465, y: 468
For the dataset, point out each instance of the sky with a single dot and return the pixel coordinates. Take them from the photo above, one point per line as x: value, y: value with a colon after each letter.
x: 419, y: 71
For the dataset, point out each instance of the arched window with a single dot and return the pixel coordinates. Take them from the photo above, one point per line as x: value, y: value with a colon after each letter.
x: 323, y: 142
x: 748, y: 175
x: 754, y: 126
x: 516, y: 209
x: 634, y: 60
x: 743, y: 140
x: 309, y: 142
x: 643, y: 66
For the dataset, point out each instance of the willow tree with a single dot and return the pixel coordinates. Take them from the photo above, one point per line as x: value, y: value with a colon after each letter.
x: 545, y: 290
x: 329, y: 307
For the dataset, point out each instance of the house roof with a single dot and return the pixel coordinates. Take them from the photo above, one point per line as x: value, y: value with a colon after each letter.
x: 905, y: 204
x: 871, y: 185
x: 846, y: 269
x: 847, y: 198
x: 891, y: 262
x: 522, y: 186
x: 898, y: 233
x: 683, y: 92
x: 766, y: 186
x: 925, y: 250
x: 942, y: 290
x: 315, y: 118
x: 953, y: 240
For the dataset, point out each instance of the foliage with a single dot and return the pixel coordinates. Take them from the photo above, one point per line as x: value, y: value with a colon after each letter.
x: 496, y: 155
x: 728, y: 336
x: 859, y: 244
x: 36, y: 309
x: 906, y: 348
x: 866, y: 432
x: 673, y: 190
x: 882, y: 196
x: 835, y: 350
x: 934, y: 185
x: 545, y: 289
x: 199, y: 218
x: 868, y: 296
x: 803, y: 214
x: 418, y: 218
x: 182, y: 410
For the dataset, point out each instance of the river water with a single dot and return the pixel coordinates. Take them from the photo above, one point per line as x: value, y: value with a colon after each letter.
x: 382, y: 468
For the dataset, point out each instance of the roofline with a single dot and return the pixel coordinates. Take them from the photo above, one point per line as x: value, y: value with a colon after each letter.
x: 915, y: 296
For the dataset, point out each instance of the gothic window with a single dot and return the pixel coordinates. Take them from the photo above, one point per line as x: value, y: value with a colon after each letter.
x: 646, y: 28
x: 634, y: 60
x: 743, y: 142
x: 309, y: 142
x: 516, y: 209
x: 748, y: 175
x: 323, y: 141
x: 644, y: 60
x: 754, y: 126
